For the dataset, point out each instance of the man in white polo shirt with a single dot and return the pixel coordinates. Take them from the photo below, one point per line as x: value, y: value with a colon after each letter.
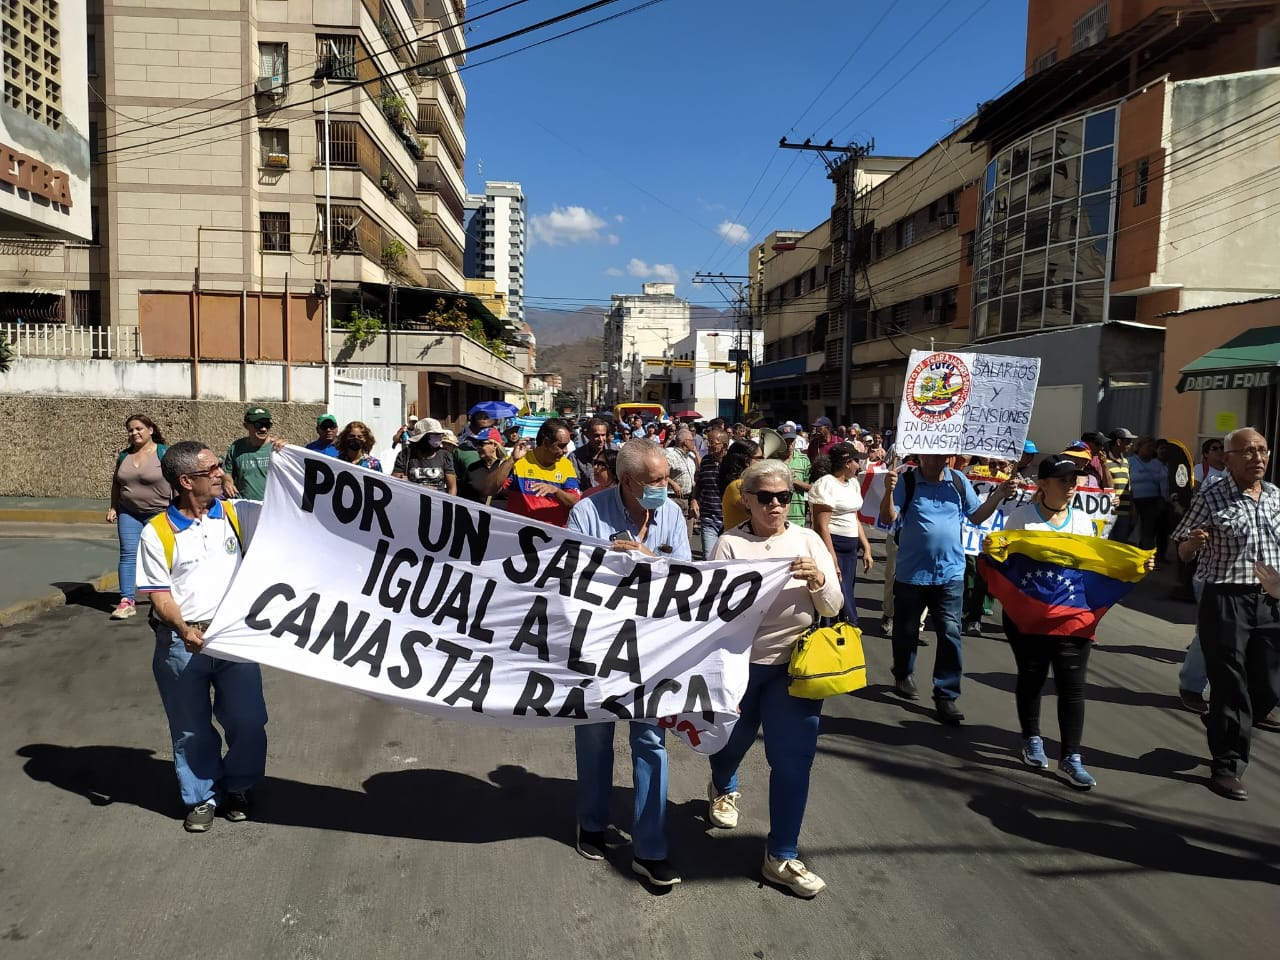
x: 186, y: 559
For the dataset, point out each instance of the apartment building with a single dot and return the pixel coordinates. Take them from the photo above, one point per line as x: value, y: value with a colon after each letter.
x: 640, y: 326
x: 1130, y: 191
x: 246, y: 162
x: 495, y: 229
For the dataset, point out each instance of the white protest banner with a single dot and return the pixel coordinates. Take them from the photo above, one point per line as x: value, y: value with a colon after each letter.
x: 454, y: 609
x: 972, y: 403
x: 1098, y: 505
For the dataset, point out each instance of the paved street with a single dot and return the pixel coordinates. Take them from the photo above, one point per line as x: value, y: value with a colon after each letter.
x: 384, y: 834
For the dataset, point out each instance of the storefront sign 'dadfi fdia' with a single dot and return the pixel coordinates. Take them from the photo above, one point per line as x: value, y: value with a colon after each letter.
x: 34, y: 176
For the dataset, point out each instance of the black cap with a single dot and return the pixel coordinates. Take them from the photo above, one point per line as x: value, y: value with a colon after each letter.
x: 1059, y: 466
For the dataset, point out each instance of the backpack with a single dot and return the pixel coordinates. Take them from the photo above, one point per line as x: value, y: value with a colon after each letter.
x: 910, y: 481
x: 160, y: 524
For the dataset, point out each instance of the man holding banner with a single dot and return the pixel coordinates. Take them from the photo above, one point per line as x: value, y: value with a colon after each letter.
x: 636, y: 515
x: 187, y: 557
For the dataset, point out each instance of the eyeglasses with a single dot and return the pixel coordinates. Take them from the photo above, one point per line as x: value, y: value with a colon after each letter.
x: 766, y: 497
x: 1253, y: 453
x: 216, y: 468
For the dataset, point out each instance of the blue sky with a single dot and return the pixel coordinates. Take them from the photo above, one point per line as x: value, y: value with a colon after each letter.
x: 639, y: 142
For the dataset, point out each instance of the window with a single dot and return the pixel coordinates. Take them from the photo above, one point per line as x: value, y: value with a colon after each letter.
x: 91, y: 48
x: 346, y: 219
x: 336, y: 56
x: 275, y: 232
x: 275, y: 147
x: 93, y: 141
x: 86, y: 308
x: 96, y: 227
x: 342, y: 142
x: 906, y: 232
x: 879, y: 245
x: 33, y: 59
x: 1044, y: 61
x: 273, y: 61
x: 1142, y: 176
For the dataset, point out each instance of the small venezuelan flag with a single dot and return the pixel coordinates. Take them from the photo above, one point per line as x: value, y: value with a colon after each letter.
x: 1059, y: 584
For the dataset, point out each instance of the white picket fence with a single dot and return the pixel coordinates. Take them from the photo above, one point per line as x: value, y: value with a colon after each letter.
x: 57, y: 340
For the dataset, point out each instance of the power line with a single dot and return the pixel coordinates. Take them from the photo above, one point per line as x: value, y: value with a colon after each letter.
x: 532, y: 28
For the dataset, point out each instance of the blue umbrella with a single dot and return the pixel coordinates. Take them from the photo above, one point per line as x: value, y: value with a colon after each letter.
x: 495, y: 408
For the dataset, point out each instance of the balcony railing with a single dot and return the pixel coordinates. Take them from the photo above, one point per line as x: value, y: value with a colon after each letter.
x: 432, y: 179
x: 432, y: 236
x: 58, y: 340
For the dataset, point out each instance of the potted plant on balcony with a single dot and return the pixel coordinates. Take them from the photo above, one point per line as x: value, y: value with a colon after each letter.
x: 394, y: 109
x: 393, y: 254
x: 362, y: 327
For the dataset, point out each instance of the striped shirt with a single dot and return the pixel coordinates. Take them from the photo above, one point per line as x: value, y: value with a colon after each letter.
x: 1118, y: 470
x: 1241, y: 530
x: 710, y: 512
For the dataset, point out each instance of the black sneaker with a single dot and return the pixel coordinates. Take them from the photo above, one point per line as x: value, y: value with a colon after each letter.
x: 199, y: 818
x: 906, y: 689
x: 658, y: 872
x: 591, y: 843
x: 236, y: 806
x: 973, y: 628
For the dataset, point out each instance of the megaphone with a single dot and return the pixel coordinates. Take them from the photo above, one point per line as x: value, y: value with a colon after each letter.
x: 772, y: 445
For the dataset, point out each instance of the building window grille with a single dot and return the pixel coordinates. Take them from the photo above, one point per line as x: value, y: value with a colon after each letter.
x: 275, y: 232
x: 1141, y: 181
x: 32, y: 59
x: 342, y: 142
x: 336, y: 56
x: 1090, y: 28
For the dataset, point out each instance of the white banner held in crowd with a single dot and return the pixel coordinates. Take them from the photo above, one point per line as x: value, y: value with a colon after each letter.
x: 450, y: 608
x: 972, y: 403
x: 1098, y: 505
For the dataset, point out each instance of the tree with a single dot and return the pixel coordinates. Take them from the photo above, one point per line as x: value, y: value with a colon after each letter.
x: 563, y: 399
x: 6, y: 354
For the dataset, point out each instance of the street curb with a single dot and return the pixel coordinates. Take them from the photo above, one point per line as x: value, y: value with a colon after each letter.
x: 25, y: 610
x: 50, y: 516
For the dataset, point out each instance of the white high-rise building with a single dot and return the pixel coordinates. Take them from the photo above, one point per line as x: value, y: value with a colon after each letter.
x: 640, y: 327
x: 495, y: 241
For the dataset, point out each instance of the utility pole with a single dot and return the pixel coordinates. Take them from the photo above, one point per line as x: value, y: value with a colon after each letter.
x: 842, y: 161
x: 735, y: 284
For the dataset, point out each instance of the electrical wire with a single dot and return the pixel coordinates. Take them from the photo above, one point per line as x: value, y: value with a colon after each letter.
x: 523, y: 31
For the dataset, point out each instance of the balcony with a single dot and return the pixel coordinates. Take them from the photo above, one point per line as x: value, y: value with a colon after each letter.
x: 432, y: 122
x: 438, y: 351
x: 432, y: 236
x: 432, y: 178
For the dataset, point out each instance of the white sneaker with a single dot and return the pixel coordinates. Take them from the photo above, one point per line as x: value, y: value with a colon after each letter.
x: 793, y: 875
x: 722, y: 807
x: 124, y: 610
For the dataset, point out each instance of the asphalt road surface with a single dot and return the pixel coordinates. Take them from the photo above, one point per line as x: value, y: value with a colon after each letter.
x: 380, y: 833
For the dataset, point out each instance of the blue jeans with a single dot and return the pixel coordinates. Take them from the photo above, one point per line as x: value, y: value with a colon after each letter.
x: 129, y: 529
x: 710, y: 536
x: 593, y: 746
x: 185, y: 680
x: 790, y: 742
x: 847, y: 563
x: 943, y: 601
x: 1194, y: 675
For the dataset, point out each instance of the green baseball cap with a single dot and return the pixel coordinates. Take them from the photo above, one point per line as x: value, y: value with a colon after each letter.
x: 326, y: 419
x: 255, y: 414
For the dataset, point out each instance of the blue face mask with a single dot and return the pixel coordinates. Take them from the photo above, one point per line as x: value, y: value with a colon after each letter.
x: 653, y: 497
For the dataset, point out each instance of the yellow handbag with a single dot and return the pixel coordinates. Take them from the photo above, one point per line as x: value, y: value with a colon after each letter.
x: 827, y: 661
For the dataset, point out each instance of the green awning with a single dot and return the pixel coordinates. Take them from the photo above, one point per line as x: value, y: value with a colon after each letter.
x: 1249, y: 361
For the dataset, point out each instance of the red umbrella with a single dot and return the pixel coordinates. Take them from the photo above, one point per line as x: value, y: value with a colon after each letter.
x: 689, y: 415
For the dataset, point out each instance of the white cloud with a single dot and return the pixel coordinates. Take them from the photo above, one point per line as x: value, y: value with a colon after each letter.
x: 613, y: 272
x: 734, y: 233
x: 665, y: 272
x: 613, y: 239
x: 571, y: 224
x: 619, y: 218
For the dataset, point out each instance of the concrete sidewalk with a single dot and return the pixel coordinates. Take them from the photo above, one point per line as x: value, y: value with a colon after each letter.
x: 58, y: 510
x: 51, y: 564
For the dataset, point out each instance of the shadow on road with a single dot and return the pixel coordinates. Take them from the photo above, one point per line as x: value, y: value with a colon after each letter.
x: 1158, y: 654
x: 430, y: 805
x: 82, y: 594
x: 1086, y: 824
x: 1095, y: 692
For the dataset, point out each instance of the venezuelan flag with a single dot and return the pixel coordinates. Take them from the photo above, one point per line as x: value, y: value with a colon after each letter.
x: 1059, y: 584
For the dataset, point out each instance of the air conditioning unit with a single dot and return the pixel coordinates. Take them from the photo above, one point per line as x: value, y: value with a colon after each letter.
x: 270, y: 86
x: 948, y: 218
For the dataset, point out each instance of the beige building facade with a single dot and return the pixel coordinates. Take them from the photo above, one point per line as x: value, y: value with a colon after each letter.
x: 207, y: 140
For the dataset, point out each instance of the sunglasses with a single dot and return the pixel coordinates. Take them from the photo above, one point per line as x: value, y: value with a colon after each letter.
x: 766, y: 497
x: 216, y: 468
x: 261, y: 425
